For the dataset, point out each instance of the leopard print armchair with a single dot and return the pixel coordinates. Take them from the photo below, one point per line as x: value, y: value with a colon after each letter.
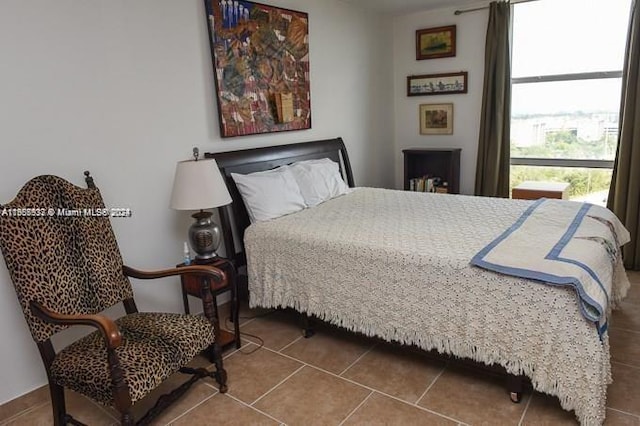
x: 66, y: 268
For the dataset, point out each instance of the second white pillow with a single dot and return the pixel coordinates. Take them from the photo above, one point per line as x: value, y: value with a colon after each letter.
x: 319, y: 180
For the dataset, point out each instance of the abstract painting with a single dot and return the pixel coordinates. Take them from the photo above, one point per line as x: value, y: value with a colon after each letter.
x: 260, y: 54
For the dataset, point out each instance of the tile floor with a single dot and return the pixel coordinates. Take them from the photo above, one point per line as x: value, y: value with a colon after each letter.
x: 337, y: 378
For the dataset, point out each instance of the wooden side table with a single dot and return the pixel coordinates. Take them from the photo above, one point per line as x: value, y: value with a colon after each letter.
x: 191, y: 287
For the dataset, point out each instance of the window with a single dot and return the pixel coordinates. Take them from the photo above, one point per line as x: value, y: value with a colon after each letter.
x: 567, y: 59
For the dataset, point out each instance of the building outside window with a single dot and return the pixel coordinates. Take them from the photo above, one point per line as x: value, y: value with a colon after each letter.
x: 567, y: 59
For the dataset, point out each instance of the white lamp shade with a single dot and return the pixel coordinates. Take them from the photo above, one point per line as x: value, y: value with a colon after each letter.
x: 198, y: 185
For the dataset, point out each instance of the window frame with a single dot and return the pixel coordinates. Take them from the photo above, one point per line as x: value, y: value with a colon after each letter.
x: 563, y: 162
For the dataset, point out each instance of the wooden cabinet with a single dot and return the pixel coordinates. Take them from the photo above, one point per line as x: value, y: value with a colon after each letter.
x: 442, y: 163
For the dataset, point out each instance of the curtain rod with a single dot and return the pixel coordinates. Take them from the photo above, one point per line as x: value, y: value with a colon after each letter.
x: 460, y: 12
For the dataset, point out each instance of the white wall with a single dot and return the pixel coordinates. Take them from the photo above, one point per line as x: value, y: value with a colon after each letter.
x: 470, y: 33
x: 124, y: 89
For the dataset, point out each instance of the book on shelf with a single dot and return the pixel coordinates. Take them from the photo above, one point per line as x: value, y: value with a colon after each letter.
x: 428, y: 184
x: 421, y: 184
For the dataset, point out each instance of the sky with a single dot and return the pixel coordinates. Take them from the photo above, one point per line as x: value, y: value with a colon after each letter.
x: 568, y: 36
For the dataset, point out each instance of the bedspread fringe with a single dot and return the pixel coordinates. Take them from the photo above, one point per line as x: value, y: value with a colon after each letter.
x: 619, y: 292
x: 443, y: 345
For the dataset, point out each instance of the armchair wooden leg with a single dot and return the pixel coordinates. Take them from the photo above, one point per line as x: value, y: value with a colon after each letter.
x: 120, y: 389
x: 220, y: 373
x: 58, y: 404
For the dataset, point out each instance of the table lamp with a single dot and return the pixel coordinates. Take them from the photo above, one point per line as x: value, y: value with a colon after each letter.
x: 198, y: 185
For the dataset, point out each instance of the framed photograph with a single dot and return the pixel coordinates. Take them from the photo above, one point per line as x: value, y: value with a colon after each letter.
x: 436, y: 84
x: 260, y: 59
x: 439, y: 42
x: 436, y: 119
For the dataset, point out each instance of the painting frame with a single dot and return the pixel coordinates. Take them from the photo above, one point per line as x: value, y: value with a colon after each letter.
x: 260, y: 56
x: 437, y: 84
x: 437, y: 42
x: 436, y: 119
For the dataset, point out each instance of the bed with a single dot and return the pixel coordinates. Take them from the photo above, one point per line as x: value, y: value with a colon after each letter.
x: 396, y: 265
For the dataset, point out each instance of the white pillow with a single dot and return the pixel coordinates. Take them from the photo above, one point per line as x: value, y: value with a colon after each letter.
x: 269, y: 194
x: 319, y: 180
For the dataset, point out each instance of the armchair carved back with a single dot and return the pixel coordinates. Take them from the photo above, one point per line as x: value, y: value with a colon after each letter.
x: 60, y: 251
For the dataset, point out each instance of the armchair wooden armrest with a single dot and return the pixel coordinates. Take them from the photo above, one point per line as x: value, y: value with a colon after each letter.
x: 106, y: 325
x: 214, y: 279
x: 218, y: 276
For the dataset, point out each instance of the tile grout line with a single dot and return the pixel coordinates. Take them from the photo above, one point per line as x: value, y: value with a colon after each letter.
x: 433, y: 382
x: 359, y: 358
x: 637, y: 367
x: 257, y: 409
x: 235, y: 351
x: 278, y: 384
x: 356, y: 409
x: 24, y: 412
x: 624, y: 412
x: 290, y: 343
x: 367, y: 387
x: 419, y: 407
x: 101, y: 407
x: 193, y: 407
x: 249, y: 321
x: 217, y: 391
x: 249, y: 343
x: 394, y: 397
x: 254, y: 318
x: 526, y: 408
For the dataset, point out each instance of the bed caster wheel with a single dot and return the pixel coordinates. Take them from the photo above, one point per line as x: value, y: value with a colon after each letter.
x: 308, y: 332
x: 516, y: 397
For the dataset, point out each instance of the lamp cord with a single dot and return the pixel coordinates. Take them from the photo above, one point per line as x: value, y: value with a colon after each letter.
x: 242, y: 333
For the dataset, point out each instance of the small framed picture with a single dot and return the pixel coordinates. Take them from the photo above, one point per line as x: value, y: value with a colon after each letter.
x: 439, y: 42
x: 436, y: 84
x: 436, y: 119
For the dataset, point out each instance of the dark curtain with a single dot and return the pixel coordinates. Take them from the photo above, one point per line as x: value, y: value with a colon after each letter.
x: 492, y: 167
x: 624, y: 194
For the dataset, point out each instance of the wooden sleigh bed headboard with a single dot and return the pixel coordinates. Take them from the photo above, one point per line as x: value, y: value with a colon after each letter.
x: 234, y: 218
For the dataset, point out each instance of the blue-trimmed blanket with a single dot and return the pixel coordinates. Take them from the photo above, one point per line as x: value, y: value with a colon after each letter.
x: 562, y: 243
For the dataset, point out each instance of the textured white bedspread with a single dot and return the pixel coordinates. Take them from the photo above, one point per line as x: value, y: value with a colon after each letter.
x: 395, y: 264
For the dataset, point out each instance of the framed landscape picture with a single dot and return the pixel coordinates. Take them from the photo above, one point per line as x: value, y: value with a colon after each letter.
x: 260, y: 59
x: 439, y: 42
x: 436, y: 119
x: 436, y: 84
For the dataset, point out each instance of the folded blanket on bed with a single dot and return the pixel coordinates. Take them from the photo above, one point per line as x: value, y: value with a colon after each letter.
x: 547, y: 243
